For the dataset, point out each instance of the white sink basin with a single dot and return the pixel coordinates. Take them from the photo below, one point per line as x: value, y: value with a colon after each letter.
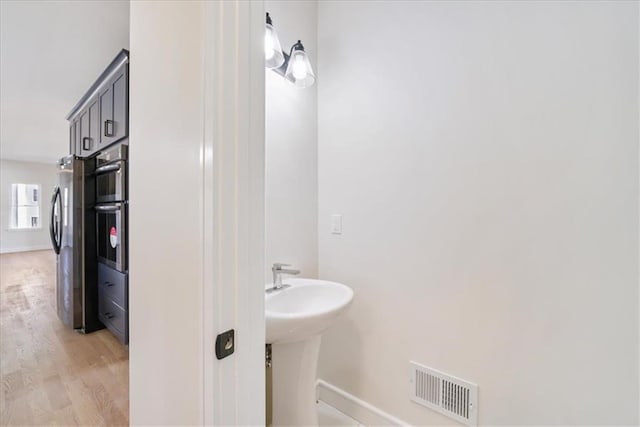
x: 304, y: 309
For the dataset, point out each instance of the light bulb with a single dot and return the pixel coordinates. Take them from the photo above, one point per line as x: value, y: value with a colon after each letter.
x: 272, y: 50
x: 299, y: 70
x: 268, y: 45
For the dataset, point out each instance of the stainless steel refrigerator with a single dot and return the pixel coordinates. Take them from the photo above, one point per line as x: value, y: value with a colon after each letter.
x: 73, y: 236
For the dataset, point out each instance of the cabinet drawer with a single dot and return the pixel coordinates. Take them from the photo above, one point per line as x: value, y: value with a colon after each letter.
x: 113, y: 284
x: 113, y: 317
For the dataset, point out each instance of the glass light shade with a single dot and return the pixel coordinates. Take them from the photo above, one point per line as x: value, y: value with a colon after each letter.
x: 299, y: 71
x: 272, y: 50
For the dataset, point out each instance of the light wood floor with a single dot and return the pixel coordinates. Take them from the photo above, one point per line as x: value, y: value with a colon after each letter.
x: 50, y: 374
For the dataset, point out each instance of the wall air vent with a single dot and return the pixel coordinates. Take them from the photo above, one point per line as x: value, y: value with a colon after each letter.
x: 446, y: 394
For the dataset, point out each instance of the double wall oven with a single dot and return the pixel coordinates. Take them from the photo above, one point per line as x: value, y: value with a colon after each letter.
x: 111, y: 207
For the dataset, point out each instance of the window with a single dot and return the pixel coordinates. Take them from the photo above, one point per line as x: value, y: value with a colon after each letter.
x: 25, y: 206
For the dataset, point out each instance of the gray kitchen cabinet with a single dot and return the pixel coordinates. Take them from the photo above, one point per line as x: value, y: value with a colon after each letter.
x: 114, y: 108
x: 83, y: 128
x: 74, y: 146
x: 94, y: 126
x: 100, y: 118
x: 98, y: 127
x: 113, y: 301
x: 89, y: 128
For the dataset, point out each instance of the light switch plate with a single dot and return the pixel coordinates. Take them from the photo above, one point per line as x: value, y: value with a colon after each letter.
x: 336, y: 224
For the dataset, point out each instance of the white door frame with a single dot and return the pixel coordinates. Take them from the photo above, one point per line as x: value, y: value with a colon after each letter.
x: 196, y: 212
x: 234, y: 159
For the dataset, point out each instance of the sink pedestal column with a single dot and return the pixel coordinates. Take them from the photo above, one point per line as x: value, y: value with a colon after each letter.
x: 294, y: 382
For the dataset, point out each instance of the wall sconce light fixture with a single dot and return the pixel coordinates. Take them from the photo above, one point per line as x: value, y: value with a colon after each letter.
x: 294, y: 67
x: 274, y: 58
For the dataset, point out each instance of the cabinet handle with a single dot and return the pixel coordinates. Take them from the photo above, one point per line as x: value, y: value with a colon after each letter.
x: 108, y: 128
x: 107, y: 208
x: 109, y: 284
x: 86, y: 143
x: 109, y: 167
x: 109, y: 315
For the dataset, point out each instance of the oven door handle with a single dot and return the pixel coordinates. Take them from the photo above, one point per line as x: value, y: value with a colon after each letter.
x: 108, y: 168
x: 108, y: 208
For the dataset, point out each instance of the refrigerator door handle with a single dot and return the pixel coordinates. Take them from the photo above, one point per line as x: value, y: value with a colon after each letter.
x: 55, y: 229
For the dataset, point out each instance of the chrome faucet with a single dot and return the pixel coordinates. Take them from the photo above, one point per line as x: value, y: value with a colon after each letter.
x: 278, y: 271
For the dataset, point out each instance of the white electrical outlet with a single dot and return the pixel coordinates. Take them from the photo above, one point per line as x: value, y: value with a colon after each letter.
x: 336, y: 224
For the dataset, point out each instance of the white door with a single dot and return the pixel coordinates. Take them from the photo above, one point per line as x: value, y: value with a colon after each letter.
x: 196, y: 212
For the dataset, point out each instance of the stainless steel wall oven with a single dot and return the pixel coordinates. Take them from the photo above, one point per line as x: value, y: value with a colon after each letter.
x: 111, y: 207
x: 111, y: 175
x: 111, y: 223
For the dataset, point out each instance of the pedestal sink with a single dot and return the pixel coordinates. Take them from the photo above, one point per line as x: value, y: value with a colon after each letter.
x: 296, y: 315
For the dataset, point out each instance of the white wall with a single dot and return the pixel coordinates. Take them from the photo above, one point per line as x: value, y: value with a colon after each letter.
x: 15, y: 172
x: 291, y: 148
x: 485, y: 158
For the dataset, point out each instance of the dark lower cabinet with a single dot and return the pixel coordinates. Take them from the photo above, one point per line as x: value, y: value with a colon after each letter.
x: 113, y: 304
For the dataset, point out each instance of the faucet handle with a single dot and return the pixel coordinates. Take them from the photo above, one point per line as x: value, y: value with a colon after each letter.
x: 279, y: 265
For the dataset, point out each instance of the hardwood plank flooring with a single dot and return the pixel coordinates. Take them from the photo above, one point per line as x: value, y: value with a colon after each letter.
x: 50, y: 375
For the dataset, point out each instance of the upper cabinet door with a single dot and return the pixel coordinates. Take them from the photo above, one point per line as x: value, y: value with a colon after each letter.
x: 94, y: 124
x: 76, y: 137
x: 106, y: 115
x: 121, y: 105
x: 72, y: 137
x: 114, y: 109
x: 88, y: 129
x: 83, y: 130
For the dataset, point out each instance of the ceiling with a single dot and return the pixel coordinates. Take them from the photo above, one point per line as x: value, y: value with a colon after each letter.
x: 50, y: 53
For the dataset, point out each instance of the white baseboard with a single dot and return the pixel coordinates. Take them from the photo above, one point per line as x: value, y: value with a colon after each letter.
x: 25, y: 249
x: 361, y: 411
